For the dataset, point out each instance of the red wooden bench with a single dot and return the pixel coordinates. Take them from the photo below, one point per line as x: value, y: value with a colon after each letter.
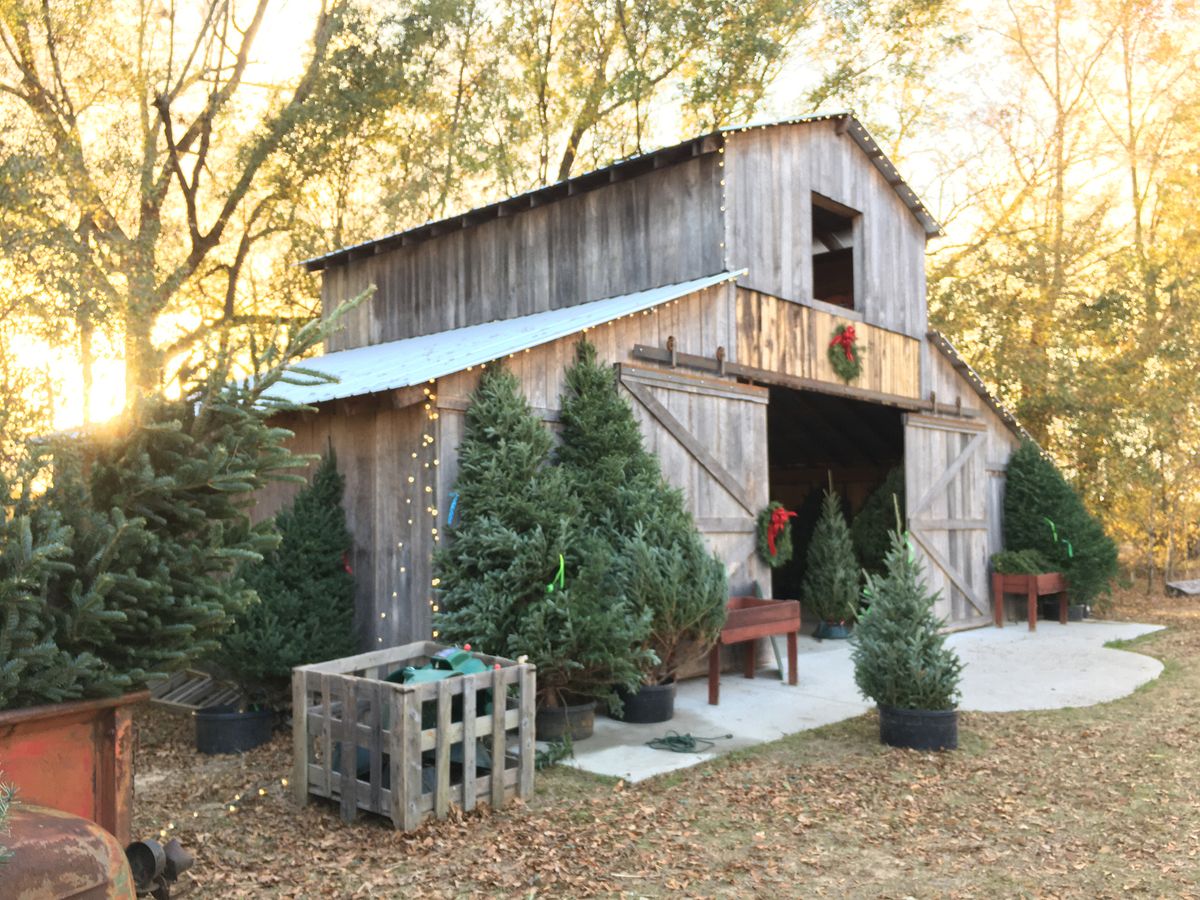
x: 1032, y: 586
x: 748, y: 619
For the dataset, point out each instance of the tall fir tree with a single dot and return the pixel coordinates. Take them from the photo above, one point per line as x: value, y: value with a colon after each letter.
x: 900, y: 655
x: 1043, y: 512
x: 662, y: 565
x: 871, y: 530
x: 516, y: 531
x: 830, y: 587
x: 304, y: 612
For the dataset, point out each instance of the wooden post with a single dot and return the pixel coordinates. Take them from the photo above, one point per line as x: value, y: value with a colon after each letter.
x: 397, y: 706
x: 349, y: 754
x: 441, y: 753
x: 998, y: 599
x: 1032, y: 596
x: 792, y: 661
x: 714, y: 675
x: 470, y: 712
x: 375, y: 792
x: 413, y: 788
x: 499, y: 702
x: 300, y: 740
x: 525, y: 779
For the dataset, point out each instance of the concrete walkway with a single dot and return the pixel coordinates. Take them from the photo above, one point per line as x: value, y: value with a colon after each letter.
x: 1006, y: 669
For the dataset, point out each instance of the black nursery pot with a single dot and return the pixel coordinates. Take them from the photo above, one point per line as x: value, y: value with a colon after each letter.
x: 649, y: 704
x: 552, y: 723
x: 225, y: 729
x: 919, y: 729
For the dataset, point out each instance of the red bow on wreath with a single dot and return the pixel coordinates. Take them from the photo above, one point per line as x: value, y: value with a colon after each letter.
x: 779, y: 520
x: 846, y: 339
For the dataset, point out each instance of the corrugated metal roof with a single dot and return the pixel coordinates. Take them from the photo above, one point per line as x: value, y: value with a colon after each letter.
x: 630, y: 166
x: 415, y: 360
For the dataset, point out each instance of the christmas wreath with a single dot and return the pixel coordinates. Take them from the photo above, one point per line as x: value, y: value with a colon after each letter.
x: 775, y: 535
x: 844, y: 353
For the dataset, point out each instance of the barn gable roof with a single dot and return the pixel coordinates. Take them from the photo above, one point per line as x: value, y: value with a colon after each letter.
x: 416, y: 360
x: 630, y: 167
x: 960, y: 365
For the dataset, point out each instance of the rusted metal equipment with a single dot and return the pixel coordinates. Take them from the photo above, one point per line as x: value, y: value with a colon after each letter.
x: 75, y: 757
x: 156, y: 867
x: 57, y: 855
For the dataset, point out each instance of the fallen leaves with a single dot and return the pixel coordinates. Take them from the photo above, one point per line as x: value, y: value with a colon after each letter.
x: 1071, y: 803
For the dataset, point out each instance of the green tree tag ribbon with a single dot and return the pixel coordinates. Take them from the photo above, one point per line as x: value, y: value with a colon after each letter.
x: 561, y: 578
x: 1054, y: 534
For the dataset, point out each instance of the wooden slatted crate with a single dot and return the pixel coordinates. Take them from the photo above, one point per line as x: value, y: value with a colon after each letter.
x: 189, y: 690
x: 413, y: 749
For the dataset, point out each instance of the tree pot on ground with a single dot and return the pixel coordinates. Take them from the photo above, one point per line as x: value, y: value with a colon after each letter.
x: 1077, y: 612
x: 650, y: 704
x: 919, y: 729
x: 832, y: 631
x: 227, y: 729
x: 553, y: 723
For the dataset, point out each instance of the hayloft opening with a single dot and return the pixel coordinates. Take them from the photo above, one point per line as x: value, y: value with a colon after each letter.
x: 833, y: 238
x: 812, y: 436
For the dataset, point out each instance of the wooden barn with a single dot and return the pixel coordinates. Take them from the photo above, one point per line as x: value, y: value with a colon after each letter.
x: 713, y: 275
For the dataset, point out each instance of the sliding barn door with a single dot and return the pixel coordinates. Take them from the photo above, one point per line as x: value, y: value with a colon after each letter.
x: 710, y: 436
x: 947, y: 496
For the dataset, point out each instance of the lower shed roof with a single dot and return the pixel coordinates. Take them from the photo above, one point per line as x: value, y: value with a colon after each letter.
x: 416, y: 360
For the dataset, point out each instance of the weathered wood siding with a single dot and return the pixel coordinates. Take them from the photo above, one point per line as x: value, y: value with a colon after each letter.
x: 385, y: 488
x: 769, y: 177
x: 962, y: 526
x: 792, y: 339
x: 662, y: 227
x: 400, y: 460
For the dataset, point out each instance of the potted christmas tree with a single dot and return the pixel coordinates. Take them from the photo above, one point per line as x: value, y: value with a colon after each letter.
x: 900, y: 657
x: 522, y: 576
x: 1043, y: 513
x: 303, y: 613
x: 830, y: 587
x: 661, y: 566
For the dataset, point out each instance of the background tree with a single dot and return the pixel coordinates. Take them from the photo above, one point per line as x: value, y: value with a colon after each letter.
x: 152, y: 165
x: 830, y: 586
x: 304, y: 611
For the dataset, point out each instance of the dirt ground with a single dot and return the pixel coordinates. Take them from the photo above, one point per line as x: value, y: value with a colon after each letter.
x: 1095, y: 802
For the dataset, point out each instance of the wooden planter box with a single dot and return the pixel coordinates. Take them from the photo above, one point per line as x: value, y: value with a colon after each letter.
x: 407, y: 751
x: 748, y: 619
x: 76, y: 757
x: 1032, y: 587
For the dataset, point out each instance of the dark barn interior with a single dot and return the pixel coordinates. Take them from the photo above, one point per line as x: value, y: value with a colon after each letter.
x: 811, y: 436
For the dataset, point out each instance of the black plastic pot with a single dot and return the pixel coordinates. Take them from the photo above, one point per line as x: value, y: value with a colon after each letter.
x: 919, y: 729
x: 650, y: 704
x: 577, y: 722
x: 225, y: 729
x: 1076, y: 612
x: 832, y: 631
